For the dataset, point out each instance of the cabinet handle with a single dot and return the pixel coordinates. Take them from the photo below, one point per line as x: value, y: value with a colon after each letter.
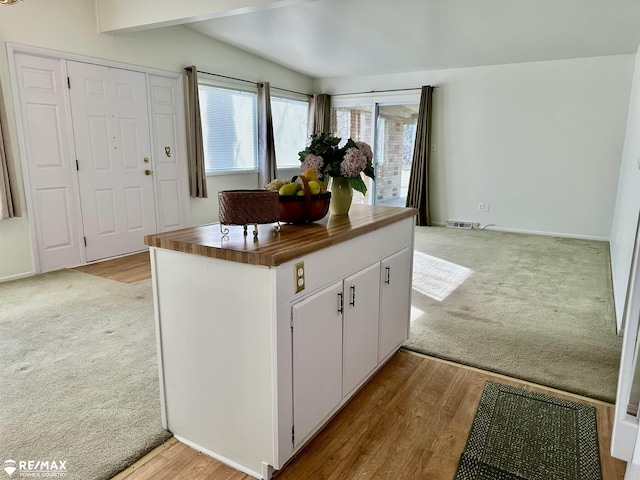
x: 387, y: 279
x: 340, y: 303
x: 353, y: 296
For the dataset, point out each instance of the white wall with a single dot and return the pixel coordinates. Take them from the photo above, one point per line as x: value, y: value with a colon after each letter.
x: 540, y: 142
x: 70, y: 26
x: 627, y: 206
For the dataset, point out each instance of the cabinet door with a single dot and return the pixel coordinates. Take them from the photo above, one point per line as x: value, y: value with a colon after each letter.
x: 395, y: 301
x: 361, y: 311
x: 317, y: 359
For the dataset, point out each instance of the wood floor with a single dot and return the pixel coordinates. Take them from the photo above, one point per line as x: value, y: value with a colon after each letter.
x: 411, y: 421
x: 129, y: 269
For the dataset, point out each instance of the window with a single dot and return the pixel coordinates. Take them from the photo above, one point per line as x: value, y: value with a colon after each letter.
x: 289, y: 129
x: 355, y: 122
x: 229, y: 129
x: 395, y: 133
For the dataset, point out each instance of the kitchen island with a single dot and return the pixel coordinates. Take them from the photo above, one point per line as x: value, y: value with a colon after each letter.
x: 262, y: 340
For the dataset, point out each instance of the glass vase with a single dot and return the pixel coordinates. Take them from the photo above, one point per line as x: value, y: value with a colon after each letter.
x: 341, y: 196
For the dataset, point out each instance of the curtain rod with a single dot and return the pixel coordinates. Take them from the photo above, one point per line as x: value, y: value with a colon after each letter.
x: 379, y: 91
x: 248, y: 81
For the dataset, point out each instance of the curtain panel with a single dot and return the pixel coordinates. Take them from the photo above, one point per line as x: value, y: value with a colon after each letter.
x: 195, y: 148
x: 319, y: 113
x: 9, y: 204
x: 267, y: 167
x: 418, y: 192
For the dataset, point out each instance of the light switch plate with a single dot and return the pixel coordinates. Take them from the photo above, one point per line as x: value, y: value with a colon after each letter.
x: 298, y: 276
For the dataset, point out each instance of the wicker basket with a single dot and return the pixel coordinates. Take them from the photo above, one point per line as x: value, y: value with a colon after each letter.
x: 248, y: 207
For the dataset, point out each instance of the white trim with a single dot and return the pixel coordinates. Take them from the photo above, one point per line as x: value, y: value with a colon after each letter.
x: 287, y: 95
x: 626, y: 429
x: 536, y: 232
x: 45, y: 52
x: 632, y: 472
x: 619, y: 315
x: 382, y: 98
x: 17, y: 276
x: 223, y: 173
x: 238, y: 85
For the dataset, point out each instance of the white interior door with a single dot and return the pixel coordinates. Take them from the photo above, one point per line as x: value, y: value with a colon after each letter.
x: 111, y: 130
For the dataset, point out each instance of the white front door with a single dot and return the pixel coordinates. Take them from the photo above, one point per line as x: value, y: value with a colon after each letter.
x: 111, y: 130
x: 51, y: 188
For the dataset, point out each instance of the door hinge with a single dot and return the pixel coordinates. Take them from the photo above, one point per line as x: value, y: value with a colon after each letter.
x: 293, y: 434
x: 291, y: 321
x: 68, y: 82
x: 85, y: 241
x: 77, y: 165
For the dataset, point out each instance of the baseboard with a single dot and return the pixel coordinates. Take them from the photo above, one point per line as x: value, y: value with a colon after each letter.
x: 534, y: 232
x: 616, y: 291
x: 18, y: 276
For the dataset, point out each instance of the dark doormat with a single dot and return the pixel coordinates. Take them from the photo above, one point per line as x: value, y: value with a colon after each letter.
x: 522, y: 435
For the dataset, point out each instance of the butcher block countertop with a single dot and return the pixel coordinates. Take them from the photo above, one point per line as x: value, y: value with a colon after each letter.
x: 273, y: 248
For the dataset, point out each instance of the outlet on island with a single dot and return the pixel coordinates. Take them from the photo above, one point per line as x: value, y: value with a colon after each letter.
x: 298, y: 276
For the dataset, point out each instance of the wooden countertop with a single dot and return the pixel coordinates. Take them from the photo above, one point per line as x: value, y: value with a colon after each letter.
x: 273, y: 248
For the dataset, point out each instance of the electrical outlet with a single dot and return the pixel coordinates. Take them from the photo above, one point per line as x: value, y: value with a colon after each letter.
x: 481, y: 207
x: 487, y: 206
x: 298, y: 276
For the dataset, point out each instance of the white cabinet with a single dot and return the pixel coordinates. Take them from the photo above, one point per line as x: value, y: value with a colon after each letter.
x: 361, y: 301
x: 317, y: 358
x: 342, y: 333
x: 335, y: 347
x: 395, y: 302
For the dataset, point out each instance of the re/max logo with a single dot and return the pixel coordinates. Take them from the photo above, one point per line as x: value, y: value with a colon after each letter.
x: 42, y: 465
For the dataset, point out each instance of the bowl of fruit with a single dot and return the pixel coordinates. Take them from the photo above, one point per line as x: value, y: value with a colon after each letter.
x: 303, y: 199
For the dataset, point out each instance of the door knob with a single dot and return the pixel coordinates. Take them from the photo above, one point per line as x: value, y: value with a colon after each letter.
x: 148, y: 172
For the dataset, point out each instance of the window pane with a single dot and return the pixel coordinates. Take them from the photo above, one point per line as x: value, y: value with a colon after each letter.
x: 229, y: 134
x: 355, y: 122
x: 289, y: 130
x: 395, y: 138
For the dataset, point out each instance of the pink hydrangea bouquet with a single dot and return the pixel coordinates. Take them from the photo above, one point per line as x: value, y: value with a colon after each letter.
x: 329, y: 160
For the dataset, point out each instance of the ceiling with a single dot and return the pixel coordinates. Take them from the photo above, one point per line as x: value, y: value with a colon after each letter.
x: 334, y: 38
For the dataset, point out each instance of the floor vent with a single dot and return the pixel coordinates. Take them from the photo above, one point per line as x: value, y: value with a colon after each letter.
x: 456, y: 224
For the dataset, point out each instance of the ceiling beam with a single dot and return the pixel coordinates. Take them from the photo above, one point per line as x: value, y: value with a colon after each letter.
x: 133, y: 15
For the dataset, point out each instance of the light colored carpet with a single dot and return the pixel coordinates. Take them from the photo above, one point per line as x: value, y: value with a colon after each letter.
x: 532, y: 307
x: 78, y: 373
